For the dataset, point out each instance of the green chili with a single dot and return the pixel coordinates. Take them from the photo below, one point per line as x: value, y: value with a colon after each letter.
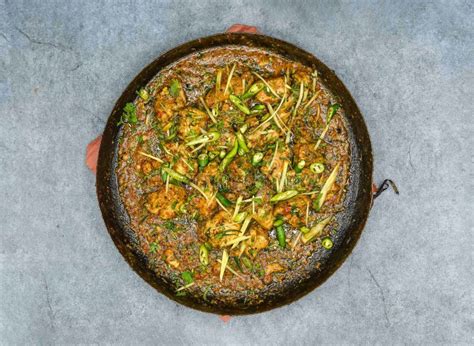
x: 281, y: 236
x: 222, y: 154
x: 332, y: 111
x: 176, y: 175
x: 299, y: 167
x: 204, y: 255
x: 212, y: 155
x: 283, y: 196
x: 257, y: 109
x: 163, y: 174
x: 229, y: 157
x: 257, y: 158
x: 278, y: 222
x: 317, y: 167
x: 239, y: 104
x: 225, y: 202
x: 210, y: 137
x: 253, y: 90
x: 143, y: 94
x: 304, y: 229
x: 203, y: 160
x: 327, y: 243
x: 246, y: 262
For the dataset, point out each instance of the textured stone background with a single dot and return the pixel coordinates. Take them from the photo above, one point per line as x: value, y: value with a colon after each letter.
x: 408, y: 64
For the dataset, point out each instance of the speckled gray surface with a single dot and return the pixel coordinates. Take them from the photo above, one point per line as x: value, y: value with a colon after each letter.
x: 408, y: 64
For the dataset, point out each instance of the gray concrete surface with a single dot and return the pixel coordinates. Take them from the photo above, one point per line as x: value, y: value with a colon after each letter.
x: 408, y: 64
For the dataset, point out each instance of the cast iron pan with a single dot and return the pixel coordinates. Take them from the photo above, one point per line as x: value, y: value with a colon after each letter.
x: 352, y: 219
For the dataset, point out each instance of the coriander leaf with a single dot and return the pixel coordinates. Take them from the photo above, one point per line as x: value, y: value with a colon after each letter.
x: 187, y: 277
x: 153, y: 247
x: 175, y: 88
x: 129, y: 114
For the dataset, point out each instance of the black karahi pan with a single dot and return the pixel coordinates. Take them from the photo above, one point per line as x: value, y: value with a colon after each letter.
x: 352, y: 220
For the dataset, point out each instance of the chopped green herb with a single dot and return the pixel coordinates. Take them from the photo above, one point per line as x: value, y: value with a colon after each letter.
x: 153, y: 247
x: 169, y: 225
x: 187, y: 277
x: 143, y: 94
x: 327, y: 243
x: 129, y: 115
x: 175, y: 88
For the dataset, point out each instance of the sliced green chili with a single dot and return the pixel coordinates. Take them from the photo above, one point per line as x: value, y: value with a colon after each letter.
x: 253, y: 90
x: 327, y: 243
x: 204, y: 254
x: 300, y: 165
x: 212, y: 155
x: 283, y: 196
x: 143, y: 94
x: 278, y: 222
x: 239, y: 104
x: 163, y: 174
x: 281, y: 236
x: 332, y: 110
x: 229, y: 157
x: 257, y: 158
x: 210, y: 137
x: 241, y: 141
x: 247, y: 262
x: 257, y: 109
x: 317, y: 167
x: 304, y: 230
x: 176, y: 175
x: 225, y: 202
x: 203, y: 160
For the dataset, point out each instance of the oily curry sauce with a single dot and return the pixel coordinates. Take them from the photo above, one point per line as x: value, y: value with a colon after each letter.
x: 233, y: 164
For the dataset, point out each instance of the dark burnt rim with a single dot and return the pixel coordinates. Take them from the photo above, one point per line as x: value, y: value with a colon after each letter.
x: 115, y: 216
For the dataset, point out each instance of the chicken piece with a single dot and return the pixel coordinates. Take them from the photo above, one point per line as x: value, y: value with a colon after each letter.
x: 147, y: 167
x: 264, y: 209
x: 170, y: 258
x: 262, y: 136
x: 269, y: 270
x: 186, y: 166
x: 274, y: 172
x: 166, y: 204
x: 266, y: 96
x: 302, y: 76
x: 191, y: 121
x: 258, y: 238
x: 166, y: 105
x: 293, y: 210
x: 241, y: 178
x: 220, y: 229
x: 203, y: 207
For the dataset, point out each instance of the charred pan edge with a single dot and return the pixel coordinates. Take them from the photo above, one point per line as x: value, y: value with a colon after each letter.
x: 358, y: 198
